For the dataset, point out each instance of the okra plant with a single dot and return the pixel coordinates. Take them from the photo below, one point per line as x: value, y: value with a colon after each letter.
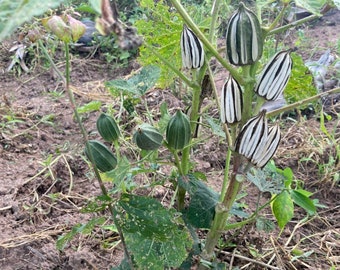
x: 155, y: 237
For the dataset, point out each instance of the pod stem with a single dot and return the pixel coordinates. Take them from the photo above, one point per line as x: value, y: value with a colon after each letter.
x: 303, y: 102
x: 167, y: 63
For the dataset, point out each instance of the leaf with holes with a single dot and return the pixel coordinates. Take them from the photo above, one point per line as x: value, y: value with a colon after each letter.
x: 146, y: 216
x: 153, y: 234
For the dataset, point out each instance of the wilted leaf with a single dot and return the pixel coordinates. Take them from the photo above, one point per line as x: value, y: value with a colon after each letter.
x: 58, y: 27
x: 77, y: 28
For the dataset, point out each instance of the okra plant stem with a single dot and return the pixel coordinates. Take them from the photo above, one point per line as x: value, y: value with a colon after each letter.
x: 85, y: 137
x: 222, y: 212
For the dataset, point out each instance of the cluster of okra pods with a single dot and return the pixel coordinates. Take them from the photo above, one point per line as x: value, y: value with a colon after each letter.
x: 256, y: 140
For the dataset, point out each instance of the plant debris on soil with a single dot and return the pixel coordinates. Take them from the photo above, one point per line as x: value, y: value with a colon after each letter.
x: 45, y: 179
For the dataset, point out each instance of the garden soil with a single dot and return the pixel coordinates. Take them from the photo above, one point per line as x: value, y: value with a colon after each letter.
x: 45, y: 179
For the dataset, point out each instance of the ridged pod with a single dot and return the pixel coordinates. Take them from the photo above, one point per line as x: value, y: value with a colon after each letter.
x: 103, y: 158
x: 244, y: 38
x: 266, y: 151
x: 231, y: 102
x: 147, y: 137
x: 191, y: 49
x: 178, y: 131
x: 275, y: 76
x: 107, y: 128
x: 253, y: 135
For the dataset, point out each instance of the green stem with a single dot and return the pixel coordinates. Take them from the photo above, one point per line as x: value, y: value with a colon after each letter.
x: 214, y: 17
x: 84, y: 133
x: 259, y: 103
x: 278, y: 18
x: 222, y: 212
x: 180, y: 190
x: 292, y: 24
x: 303, y: 102
x: 187, y: 81
x: 204, y: 40
x: 251, y: 219
x: 56, y: 69
x: 194, y: 115
x: 230, y: 188
x: 226, y: 175
x: 117, y: 149
x: 248, y: 93
x: 178, y: 162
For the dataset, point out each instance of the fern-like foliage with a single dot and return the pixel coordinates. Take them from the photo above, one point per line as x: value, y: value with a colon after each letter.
x: 161, y: 29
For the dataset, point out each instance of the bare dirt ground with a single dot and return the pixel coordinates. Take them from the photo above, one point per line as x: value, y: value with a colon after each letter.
x: 45, y: 180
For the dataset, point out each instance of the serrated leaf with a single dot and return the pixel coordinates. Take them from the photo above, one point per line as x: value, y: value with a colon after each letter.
x: 15, y: 13
x: 146, y: 216
x: 79, y: 228
x: 303, y: 201
x: 264, y: 224
x: 215, y: 126
x: 283, y: 208
x: 139, y: 83
x: 92, y: 106
x: 161, y: 30
x: 119, y: 175
x: 301, y: 82
x: 201, y: 210
x: 266, y: 180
